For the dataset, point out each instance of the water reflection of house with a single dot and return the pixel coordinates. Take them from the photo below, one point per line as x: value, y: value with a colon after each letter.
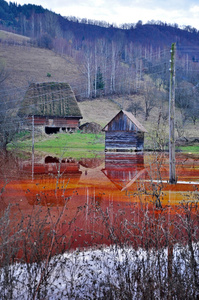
x: 101, y: 196
x: 53, y: 181
x: 51, y: 165
x: 91, y: 163
x: 124, y: 169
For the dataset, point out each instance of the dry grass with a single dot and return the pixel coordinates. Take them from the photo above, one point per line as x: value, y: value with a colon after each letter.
x: 100, y: 111
x: 104, y: 109
x: 28, y: 64
x: 12, y: 37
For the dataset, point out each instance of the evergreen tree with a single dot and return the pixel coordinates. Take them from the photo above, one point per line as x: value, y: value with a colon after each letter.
x: 99, y: 80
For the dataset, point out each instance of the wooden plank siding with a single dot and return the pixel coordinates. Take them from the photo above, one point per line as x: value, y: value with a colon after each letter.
x: 124, y: 140
x: 121, y: 123
x: 55, y: 122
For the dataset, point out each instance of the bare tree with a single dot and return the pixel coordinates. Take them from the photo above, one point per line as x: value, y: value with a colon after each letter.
x: 9, y: 122
x: 149, y: 98
x: 193, y: 111
x: 87, y: 66
x: 113, y: 67
x: 135, y: 107
x: 184, y: 97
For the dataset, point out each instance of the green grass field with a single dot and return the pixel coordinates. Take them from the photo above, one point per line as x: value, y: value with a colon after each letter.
x: 189, y: 149
x: 74, y: 145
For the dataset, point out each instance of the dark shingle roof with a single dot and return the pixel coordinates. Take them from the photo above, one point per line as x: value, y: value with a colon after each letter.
x: 50, y: 99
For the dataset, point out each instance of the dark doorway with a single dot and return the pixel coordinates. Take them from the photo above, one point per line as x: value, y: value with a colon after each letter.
x: 51, y: 130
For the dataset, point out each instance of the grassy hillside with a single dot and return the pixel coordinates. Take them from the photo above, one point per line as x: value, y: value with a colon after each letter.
x: 28, y: 64
x: 13, y: 38
x: 100, y: 110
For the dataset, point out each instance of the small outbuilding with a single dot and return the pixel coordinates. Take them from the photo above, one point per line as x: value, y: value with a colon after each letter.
x: 53, y: 105
x: 124, y: 133
x: 90, y: 127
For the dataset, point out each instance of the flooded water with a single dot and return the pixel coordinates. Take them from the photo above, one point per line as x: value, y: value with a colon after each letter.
x: 114, y: 198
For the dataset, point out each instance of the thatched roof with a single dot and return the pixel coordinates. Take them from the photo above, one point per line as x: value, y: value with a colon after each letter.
x: 52, y: 99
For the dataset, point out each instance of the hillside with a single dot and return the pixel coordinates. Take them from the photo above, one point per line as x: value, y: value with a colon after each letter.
x: 133, y: 82
x: 118, y: 56
x: 33, y: 20
x: 26, y: 64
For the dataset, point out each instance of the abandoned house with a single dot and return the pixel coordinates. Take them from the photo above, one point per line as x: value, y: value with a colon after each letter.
x: 124, y: 133
x: 53, y: 106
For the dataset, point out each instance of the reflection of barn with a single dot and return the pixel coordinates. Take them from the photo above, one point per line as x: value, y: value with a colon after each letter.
x: 124, y: 133
x: 54, y: 181
x: 91, y: 162
x: 124, y: 169
x: 53, y: 105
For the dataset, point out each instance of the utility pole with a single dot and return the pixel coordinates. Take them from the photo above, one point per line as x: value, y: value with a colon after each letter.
x: 33, y: 144
x: 172, y: 168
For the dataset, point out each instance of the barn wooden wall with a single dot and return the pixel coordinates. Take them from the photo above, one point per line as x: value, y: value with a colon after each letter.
x: 124, y: 140
x: 55, y: 122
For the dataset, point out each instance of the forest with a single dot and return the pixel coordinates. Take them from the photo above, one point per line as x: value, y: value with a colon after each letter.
x: 133, y: 59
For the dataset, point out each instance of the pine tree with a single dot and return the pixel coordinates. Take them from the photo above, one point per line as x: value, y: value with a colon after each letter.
x: 99, y: 80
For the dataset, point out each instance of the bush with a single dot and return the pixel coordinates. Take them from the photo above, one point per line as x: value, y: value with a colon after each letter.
x: 45, y: 41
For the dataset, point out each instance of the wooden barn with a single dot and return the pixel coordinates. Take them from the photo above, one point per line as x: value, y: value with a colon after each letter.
x: 53, y: 106
x: 124, y: 133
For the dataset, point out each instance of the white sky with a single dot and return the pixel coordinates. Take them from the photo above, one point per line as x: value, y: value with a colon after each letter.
x: 182, y: 12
